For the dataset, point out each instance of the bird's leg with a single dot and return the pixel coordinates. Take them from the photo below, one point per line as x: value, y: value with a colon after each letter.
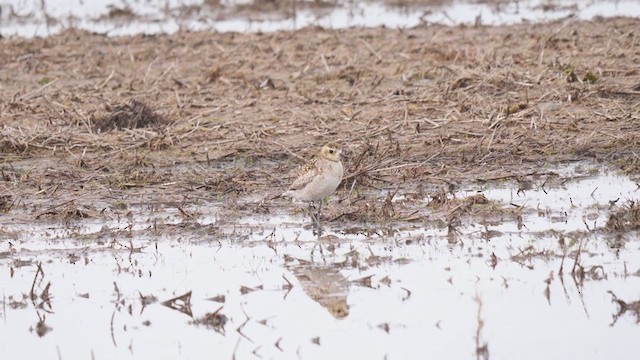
x: 313, y: 211
x: 318, y: 219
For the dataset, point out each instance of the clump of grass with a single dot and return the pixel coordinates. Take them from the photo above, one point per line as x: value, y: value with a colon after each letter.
x: 131, y: 115
x: 570, y: 71
x: 589, y: 77
x: 625, y: 219
x: 44, y: 81
x: 6, y: 203
x: 67, y: 211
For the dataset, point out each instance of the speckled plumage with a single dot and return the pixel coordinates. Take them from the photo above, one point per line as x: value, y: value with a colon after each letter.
x: 319, y: 177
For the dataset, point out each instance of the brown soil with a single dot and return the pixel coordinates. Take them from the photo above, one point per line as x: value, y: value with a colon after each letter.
x: 97, y: 120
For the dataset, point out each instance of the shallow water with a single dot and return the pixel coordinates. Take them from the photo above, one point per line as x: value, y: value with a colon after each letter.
x: 34, y: 18
x: 415, y: 294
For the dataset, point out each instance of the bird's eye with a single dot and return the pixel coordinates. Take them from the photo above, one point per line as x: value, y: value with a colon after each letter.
x: 331, y: 151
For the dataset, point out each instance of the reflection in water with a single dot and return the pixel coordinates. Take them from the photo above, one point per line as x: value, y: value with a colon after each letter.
x: 326, y: 285
x: 215, y: 320
x: 42, y: 328
x: 623, y: 307
x: 180, y: 303
x: 41, y: 302
x: 550, y: 266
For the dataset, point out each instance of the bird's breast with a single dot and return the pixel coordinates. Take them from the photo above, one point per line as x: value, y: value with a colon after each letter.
x: 328, y: 179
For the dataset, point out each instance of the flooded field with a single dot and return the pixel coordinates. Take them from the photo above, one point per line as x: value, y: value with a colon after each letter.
x: 550, y: 278
x: 488, y: 206
x: 116, y: 18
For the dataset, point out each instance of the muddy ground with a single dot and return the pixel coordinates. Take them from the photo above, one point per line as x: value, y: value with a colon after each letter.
x: 91, y: 122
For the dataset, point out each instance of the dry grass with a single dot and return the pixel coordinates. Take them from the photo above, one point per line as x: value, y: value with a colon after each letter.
x: 201, y: 113
x: 626, y: 218
x: 131, y: 115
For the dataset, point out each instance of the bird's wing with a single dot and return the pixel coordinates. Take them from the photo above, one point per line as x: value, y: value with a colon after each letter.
x: 305, y: 175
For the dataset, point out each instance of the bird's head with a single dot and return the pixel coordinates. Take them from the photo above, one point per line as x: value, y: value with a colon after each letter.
x: 331, y: 151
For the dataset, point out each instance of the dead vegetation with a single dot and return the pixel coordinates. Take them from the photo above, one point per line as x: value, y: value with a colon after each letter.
x: 6, y: 203
x: 215, y: 320
x: 130, y: 115
x: 632, y: 307
x: 626, y: 218
x: 200, y: 115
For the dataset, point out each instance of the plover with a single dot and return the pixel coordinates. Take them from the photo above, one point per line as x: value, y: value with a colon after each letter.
x: 318, y: 178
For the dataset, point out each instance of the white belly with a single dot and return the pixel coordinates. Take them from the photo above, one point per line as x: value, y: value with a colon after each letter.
x: 321, y: 186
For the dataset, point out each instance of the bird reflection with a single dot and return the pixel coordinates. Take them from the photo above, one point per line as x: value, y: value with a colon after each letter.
x: 325, y: 285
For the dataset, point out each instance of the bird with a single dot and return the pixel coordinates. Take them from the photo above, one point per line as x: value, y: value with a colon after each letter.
x: 318, y: 178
